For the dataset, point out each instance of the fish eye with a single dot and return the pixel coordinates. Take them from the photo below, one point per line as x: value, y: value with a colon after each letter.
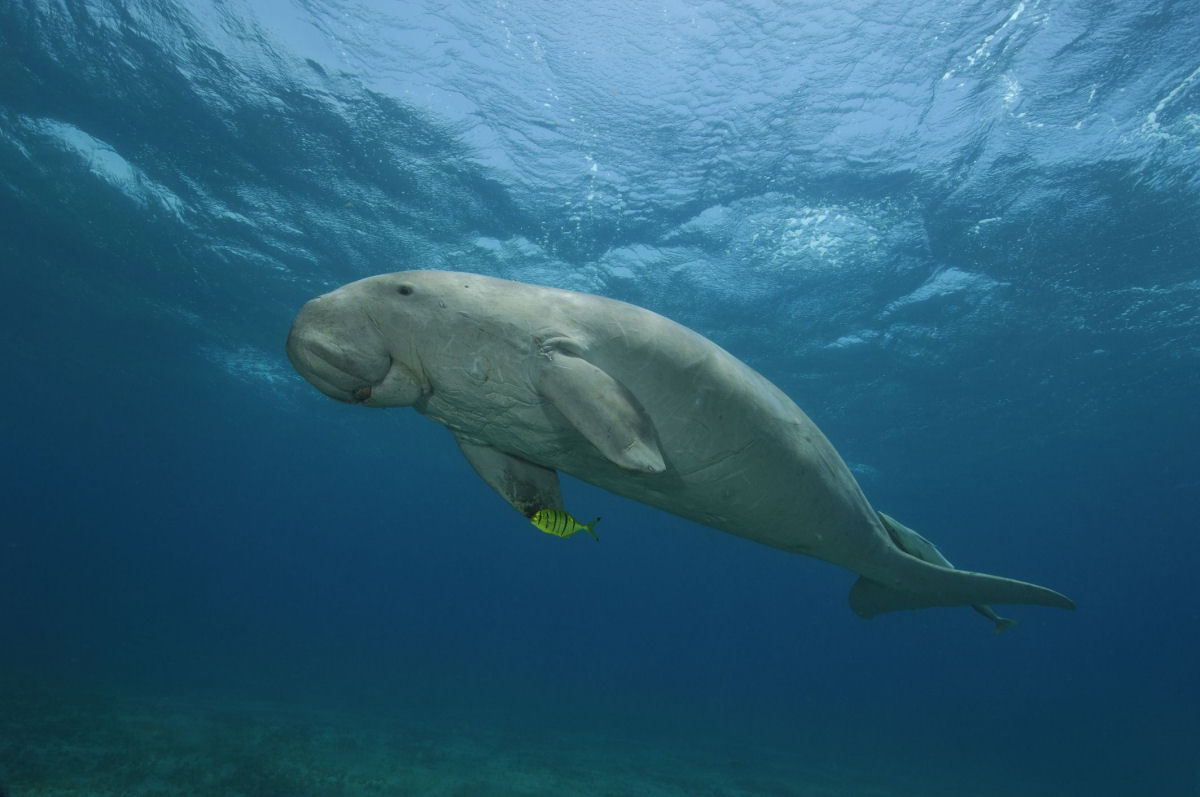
x: 405, y: 290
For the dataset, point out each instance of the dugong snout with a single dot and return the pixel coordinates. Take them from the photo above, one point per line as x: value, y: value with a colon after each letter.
x: 337, y: 343
x: 338, y: 353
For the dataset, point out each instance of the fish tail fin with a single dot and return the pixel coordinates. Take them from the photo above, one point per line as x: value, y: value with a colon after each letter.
x: 916, y: 584
x: 589, y: 528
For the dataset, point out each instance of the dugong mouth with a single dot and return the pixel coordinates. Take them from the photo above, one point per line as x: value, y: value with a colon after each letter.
x: 341, y: 374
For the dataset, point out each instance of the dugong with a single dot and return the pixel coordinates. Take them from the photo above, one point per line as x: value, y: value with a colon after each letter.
x: 534, y: 380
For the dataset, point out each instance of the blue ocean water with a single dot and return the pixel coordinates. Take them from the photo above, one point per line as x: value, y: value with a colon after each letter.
x: 963, y: 237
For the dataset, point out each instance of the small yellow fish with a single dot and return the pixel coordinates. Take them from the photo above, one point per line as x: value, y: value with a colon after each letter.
x: 560, y: 523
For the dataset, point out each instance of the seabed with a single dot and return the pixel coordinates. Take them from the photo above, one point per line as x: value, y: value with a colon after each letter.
x: 51, y: 746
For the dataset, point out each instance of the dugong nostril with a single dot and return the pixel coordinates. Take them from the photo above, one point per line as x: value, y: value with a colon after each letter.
x: 362, y: 394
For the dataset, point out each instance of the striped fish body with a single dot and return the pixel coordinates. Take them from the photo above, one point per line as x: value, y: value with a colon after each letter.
x: 560, y: 523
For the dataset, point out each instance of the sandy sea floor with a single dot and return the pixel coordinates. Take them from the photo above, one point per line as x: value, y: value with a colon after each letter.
x: 140, y: 746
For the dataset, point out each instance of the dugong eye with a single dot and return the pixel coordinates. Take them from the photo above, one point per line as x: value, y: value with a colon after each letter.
x: 405, y: 290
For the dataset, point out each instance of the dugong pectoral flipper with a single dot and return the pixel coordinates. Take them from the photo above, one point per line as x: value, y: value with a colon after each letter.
x: 600, y: 408
x: 526, y: 486
x: 913, y: 543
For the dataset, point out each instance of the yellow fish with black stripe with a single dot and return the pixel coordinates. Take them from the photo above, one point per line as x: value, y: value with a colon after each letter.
x: 561, y: 524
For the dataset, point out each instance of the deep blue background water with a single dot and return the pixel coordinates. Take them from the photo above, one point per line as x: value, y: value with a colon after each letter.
x: 963, y: 238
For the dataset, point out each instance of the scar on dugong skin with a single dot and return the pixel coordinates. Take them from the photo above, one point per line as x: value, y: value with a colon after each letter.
x: 534, y: 380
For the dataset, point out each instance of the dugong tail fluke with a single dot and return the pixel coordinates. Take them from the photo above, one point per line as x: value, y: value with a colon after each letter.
x: 941, y: 586
x: 875, y: 602
x: 1002, y: 623
x: 922, y: 578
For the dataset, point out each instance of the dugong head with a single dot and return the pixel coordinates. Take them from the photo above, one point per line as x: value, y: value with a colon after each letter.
x: 356, y: 344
